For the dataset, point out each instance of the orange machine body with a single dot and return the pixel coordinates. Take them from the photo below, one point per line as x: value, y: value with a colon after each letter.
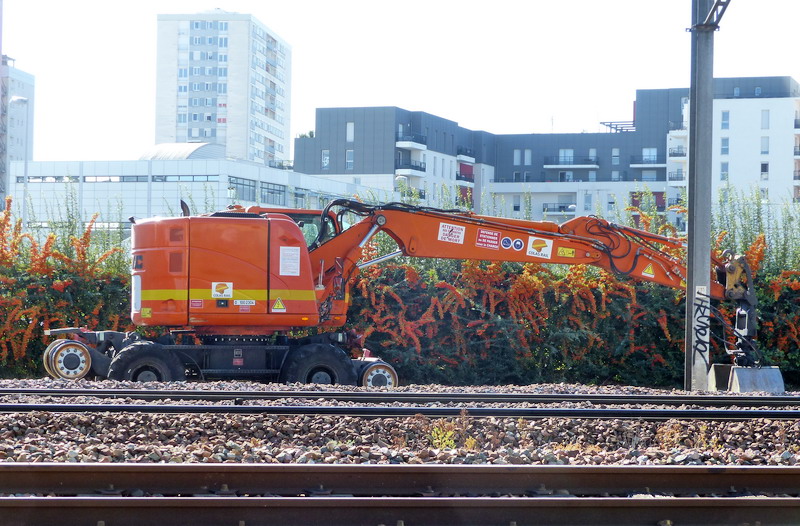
x: 250, y: 274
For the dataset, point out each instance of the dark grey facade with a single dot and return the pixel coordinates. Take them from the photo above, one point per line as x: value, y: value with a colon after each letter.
x: 630, y: 151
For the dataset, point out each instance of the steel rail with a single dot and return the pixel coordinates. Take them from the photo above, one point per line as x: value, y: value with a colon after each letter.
x: 407, y: 411
x: 421, y: 397
x: 382, y: 494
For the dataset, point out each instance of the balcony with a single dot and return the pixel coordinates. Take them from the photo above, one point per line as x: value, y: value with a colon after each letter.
x: 676, y: 176
x: 470, y: 178
x: 410, y: 192
x: 465, y: 155
x: 411, y: 141
x: 797, y: 151
x: 674, y: 201
x: 677, y: 152
x: 797, y: 124
x: 571, y: 161
x: 796, y: 175
x: 678, y: 126
x: 648, y: 161
x: 561, y: 208
x: 282, y: 165
x: 409, y: 168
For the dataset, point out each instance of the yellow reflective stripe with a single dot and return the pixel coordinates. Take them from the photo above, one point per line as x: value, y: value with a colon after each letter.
x: 165, y: 294
x: 238, y: 294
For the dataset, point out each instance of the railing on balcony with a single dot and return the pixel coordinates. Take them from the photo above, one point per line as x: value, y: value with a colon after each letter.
x: 282, y: 165
x: 410, y: 192
x: 677, y: 152
x: 410, y: 165
x: 679, y: 125
x: 677, y: 176
x: 797, y: 175
x: 465, y: 177
x: 797, y: 123
x: 469, y: 152
x: 797, y: 150
x: 673, y: 201
x: 563, y: 160
x: 646, y: 159
x: 558, y: 207
x: 412, y: 137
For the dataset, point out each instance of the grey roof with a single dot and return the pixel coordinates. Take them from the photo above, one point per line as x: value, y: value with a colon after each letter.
x: 184, y: 150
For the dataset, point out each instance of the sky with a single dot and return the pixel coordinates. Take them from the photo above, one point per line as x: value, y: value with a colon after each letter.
x: 504, y: 66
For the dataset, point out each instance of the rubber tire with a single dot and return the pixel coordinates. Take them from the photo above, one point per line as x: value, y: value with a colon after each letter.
x: 303, y: 362
x: 149, y: 355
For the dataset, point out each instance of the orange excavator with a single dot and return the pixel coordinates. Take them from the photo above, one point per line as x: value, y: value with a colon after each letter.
x: 229, y: 288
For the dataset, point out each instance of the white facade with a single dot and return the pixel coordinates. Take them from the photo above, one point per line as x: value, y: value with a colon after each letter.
x: 118, y: 190
x: 16, y: 128
x: 224, y: 78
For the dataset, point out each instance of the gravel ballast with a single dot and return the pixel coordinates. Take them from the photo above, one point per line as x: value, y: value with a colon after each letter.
x: 106, y: 437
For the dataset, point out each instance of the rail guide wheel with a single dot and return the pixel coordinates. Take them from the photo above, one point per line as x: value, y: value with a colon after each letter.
x: 71, y: 360
x: 47, y: 357
x: 379, y: 374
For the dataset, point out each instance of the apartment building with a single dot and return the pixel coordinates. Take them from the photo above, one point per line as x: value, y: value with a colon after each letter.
x: 17, y: 103
x: 224, y: 78
x: 558, y: 176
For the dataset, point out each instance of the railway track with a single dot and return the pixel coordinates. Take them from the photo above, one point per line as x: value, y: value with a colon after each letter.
x: 252, y: 494
x: 408, y: 411
x: 384, y: 397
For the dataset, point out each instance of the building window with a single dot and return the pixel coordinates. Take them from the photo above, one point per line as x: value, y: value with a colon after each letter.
x: 587, y: 202
x: 348, y: 160
x: 764, y: 171
x: 650, y: 155
x: 222, y: 88
x: 326, y: 159
x: 566, y: 156
x: 223, y: 41
x: 725, y: 146
x: 758, y: 91
x: 222, y: 72
x: 726, y: 120
x: 273, y: 194
x: 182, y: 118
x: 196, y: 24
x: 649, y: 175
x: 183, y: 73
x: 197, y: 40
x: 222, y: 57
x: 242, y: 189
x: 723, y: 171
x: 223, y: 26
x: 351, y: 132
x: 183, y: 88
x: 615, y: 156
x: 615, y: 175
x: 592, y: 176
x: 517, y: 177
x: 196, y: 71
x: 210, y: 41
x: 764, y: 195
x: 764, y: 145
x: 764, y: 119
x: 528, y: 157
x: 736, y: 92
x: 195, y: 117
x: 565, y: 177
x: 517, y: 157
x: 517, y: 203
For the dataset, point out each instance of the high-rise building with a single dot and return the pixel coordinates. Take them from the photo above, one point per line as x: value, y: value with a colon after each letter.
x: 16, y: 119
x: 224, y: 78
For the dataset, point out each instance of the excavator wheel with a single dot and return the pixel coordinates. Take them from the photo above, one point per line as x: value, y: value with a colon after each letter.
x: 377, y: 373
x: 68, y: 359
x: 146, y: 362
x: 318, y: 364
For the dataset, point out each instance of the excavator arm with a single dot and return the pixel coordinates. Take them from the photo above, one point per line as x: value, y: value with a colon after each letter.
x: 453, y: 234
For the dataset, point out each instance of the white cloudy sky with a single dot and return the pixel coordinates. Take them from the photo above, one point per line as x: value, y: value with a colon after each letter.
x: 505, y: 66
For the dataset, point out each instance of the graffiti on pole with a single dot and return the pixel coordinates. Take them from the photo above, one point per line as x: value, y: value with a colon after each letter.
x: 701, y: 324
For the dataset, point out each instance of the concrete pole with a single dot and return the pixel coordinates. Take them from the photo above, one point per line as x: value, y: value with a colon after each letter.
x: 698, y: 282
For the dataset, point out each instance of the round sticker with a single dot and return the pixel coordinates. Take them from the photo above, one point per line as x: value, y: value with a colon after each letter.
x: 518, y: 244
x: 505, y: 242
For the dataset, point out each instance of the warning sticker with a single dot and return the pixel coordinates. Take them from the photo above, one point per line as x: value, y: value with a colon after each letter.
x: 222, y: 289
x: 565, y: 252
x: 147, y: 312
x: 488, y: 239
x: 648, y: 271
x: 195, y: 304
x: 290, y: 261
x: 451, y: 233
x: 540, y: 248
x: 278, y: 306
x: 244, y: 302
